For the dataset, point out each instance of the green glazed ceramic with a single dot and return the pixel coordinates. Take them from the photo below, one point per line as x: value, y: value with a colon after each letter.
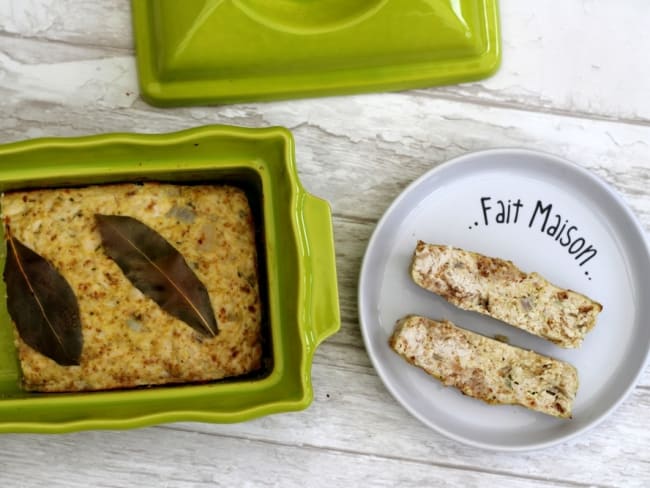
x: 224, y: 51
x: 296, y: 265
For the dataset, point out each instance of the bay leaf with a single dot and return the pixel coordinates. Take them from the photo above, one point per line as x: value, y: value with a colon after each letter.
x: 42, y: 304
x: 158, y: 270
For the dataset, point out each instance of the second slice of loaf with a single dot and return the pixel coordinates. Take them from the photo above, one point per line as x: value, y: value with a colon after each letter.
x: 486, y: 369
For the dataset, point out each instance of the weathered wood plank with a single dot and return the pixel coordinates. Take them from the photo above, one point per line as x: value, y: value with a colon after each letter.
x: 98, y: 23
x: 157, y: 457
x: 574, y: 60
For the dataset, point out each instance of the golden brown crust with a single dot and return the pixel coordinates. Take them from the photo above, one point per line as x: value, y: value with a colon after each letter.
x: 485, y: 368
x: 128, y: 339
x: 497, y: 288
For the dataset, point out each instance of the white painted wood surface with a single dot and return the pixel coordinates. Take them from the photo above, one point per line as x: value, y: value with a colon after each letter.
x: 575, y: 81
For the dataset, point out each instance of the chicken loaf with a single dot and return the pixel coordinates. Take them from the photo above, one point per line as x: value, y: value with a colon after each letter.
x: 128, y: 339
x: 486, y: 369
x: 499, y: 289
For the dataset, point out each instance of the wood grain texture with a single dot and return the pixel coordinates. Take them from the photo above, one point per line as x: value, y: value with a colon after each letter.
x: 573, y: 83
x: 96, y: 23
x: 577, y: 58
x: 181, y: 463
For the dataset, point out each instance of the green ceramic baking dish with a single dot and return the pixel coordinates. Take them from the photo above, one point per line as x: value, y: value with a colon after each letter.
x: 297, y: 269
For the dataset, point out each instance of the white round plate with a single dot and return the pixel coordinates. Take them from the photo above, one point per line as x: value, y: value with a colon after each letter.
x: 546, y: 215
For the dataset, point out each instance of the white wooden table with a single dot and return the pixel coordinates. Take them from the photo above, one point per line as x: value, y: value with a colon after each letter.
x: 575, y: 81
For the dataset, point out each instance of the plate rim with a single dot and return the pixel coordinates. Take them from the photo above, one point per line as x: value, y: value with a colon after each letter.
x: 548, y: 157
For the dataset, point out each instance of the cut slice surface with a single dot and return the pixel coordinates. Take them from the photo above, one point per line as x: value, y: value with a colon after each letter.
x: 497, y: 288
x: 485, y: 368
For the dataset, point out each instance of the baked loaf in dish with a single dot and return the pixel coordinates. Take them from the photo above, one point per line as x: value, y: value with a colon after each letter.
x: 128, y: 339
x: 485, y: 368
x: 497, y: 288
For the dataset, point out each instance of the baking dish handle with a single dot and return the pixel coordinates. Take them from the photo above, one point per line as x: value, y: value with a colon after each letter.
x: 323, y: 318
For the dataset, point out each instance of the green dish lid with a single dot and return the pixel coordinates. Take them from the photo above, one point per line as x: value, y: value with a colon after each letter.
x: 225, y: 51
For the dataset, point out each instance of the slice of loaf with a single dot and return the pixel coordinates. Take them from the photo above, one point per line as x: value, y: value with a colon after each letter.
x: 497, y: 288
x: 485, y: 368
